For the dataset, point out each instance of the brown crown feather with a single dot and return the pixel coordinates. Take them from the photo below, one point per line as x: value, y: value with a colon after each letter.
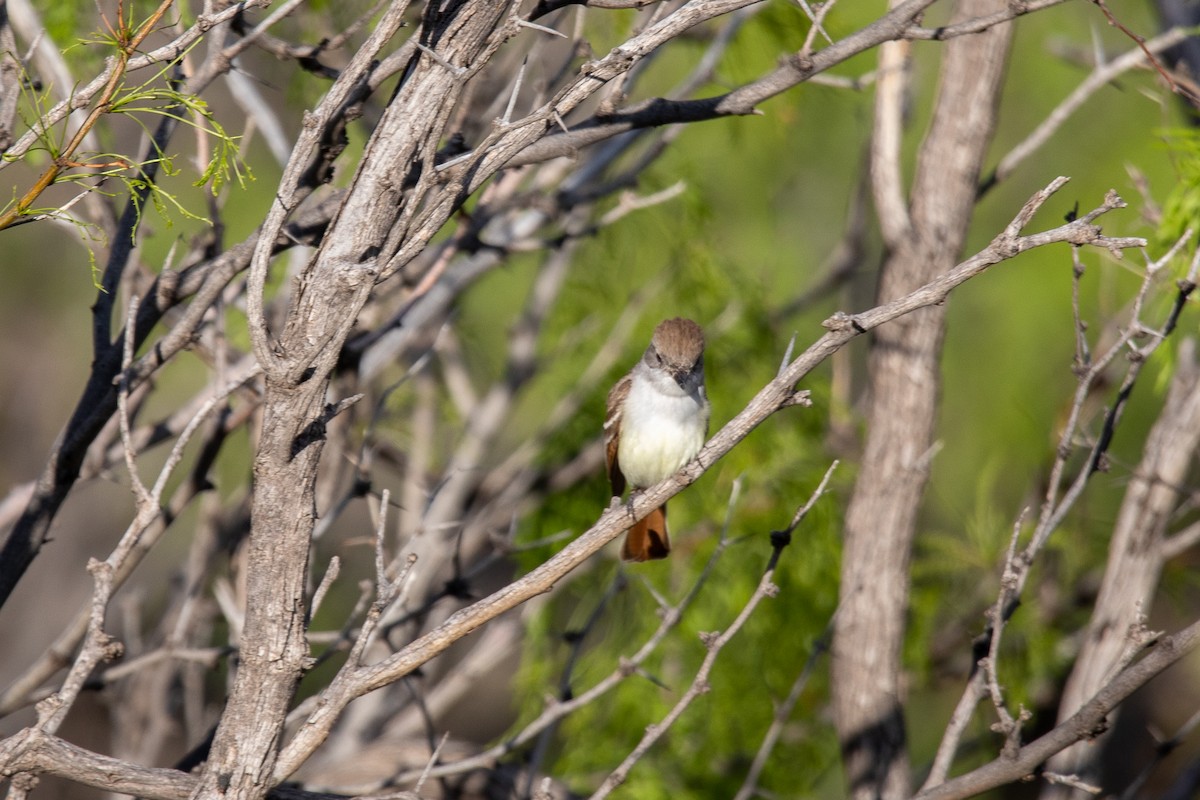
x: 679, y: 341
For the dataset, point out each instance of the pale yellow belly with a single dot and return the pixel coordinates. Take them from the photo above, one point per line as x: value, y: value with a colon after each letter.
x: 651, y: 453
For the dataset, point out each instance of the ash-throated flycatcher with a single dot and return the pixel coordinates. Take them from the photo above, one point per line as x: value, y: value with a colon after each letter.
x: 657, y: 421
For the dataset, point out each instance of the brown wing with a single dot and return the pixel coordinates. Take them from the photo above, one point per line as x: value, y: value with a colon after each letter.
x: 612, y: 433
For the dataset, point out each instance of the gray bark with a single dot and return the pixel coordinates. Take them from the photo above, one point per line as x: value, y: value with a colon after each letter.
x: 904, y: 383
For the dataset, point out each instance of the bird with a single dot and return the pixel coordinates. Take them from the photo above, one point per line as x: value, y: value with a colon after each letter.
x: 656, y: 421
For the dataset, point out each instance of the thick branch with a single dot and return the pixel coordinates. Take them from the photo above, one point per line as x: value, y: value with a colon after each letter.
x: 904, y: 368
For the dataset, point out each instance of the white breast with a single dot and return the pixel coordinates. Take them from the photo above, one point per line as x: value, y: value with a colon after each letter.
x: 660, y: 431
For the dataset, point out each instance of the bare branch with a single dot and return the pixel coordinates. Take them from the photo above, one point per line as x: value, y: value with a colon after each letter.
x: 1078, y: 727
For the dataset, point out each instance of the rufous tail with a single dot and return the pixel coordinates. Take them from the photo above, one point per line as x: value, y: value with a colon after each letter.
x: 647, y: 539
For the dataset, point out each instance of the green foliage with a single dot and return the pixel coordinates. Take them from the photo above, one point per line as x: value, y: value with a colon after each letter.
x: 223, y: 164
x: 758, y: 666
x: 1181, y: 210
x: 141, y: 179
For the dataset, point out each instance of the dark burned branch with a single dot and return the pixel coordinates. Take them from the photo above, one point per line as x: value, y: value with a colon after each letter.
x: 646, y: 114
x: 545, y: 7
